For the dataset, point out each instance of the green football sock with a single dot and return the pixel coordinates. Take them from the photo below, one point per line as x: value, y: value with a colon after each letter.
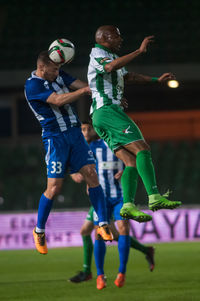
x: 87, y: 253
x: 146, y: 171
x: 129, y: 182
x: 135, y: 244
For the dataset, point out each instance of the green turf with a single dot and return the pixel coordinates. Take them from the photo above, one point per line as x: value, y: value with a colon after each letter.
x: 27, y: 275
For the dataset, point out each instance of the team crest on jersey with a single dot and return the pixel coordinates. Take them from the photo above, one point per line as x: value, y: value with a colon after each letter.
x: 104, y: 59
x: 90, y: 153
x: 46, y: 84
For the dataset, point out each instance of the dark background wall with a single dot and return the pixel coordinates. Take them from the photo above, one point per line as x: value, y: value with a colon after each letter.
x: 27, y: 27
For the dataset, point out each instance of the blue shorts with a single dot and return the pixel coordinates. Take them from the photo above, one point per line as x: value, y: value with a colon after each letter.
x: 113, y: 212
x: 68, y: 149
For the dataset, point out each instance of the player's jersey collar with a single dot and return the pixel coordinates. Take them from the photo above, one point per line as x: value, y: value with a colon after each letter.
x: 103, y: 47
x: 33, y: 75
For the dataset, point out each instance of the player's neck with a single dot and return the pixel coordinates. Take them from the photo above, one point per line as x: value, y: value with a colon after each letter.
x: 105, y: 44
x: 39, y: 73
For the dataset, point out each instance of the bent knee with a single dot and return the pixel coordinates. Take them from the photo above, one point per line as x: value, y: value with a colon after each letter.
x: 123, y: 229
x: 90, y: 175
x: 53, y: 191
x: 85, y: 232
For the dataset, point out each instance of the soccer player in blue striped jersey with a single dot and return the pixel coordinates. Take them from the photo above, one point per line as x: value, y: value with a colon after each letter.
x: 49, y: 93
x: 109, y: 170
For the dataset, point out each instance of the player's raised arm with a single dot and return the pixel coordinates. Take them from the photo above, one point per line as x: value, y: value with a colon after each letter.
x: 124, y: 60
x: 132, y: 77
x: 166, y: 76
x: 62, y: 99
x: 78, y: 84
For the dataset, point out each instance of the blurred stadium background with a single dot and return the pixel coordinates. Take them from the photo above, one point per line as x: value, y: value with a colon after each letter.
x: 169, y: 119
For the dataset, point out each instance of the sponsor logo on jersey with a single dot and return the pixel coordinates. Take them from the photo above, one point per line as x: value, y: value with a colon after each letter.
x: 126, y: 131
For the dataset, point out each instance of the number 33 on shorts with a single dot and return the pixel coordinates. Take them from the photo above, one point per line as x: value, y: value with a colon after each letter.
x: 55, y: 167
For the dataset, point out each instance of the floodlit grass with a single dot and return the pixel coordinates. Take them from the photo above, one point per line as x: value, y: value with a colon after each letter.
x: 27, y: 275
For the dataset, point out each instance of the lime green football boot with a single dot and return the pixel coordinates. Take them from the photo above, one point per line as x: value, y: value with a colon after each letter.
x: 130, y: 211
x: 157, y: 202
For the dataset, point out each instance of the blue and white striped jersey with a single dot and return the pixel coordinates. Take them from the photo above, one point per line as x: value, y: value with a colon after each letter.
x: 52, y: 118
x: 107, y: 165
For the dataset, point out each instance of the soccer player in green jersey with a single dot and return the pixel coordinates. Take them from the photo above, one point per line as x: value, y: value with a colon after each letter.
x: 106, y: 77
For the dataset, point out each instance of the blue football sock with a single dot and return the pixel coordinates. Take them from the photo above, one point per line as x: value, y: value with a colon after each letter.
x: 44, y: 209
x: 99, y: 254
x: 98, y: 202
x: 123, y: 248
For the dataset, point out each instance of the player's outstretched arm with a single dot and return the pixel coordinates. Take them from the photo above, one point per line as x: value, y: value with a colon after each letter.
x: 78, y: 84
x: 124, y: 60
x: 166, y: 76
x: 62, y: 99
x: 132, y: 78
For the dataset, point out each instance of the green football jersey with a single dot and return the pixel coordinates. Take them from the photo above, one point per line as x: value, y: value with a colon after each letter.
x: 107, y: 88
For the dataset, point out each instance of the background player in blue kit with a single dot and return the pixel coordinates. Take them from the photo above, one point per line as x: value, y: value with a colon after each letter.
x: 109, y: 169
x: 48, y: 94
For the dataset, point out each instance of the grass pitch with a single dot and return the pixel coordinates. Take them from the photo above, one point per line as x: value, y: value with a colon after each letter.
x: 27, y: 275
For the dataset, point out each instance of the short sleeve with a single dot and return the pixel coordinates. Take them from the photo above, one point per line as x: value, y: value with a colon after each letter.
x: 68, y: 79
x: 124, y: 71
x: 35, y: 90
x: 100, y: 62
